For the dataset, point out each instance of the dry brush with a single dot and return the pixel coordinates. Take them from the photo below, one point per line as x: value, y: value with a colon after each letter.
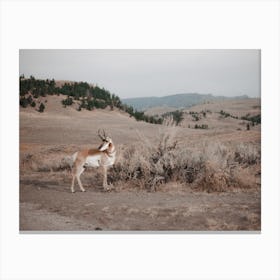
x: 150, y: 164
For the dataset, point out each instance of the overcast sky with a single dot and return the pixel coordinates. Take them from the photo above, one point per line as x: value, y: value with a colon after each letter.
x: 138, y: 73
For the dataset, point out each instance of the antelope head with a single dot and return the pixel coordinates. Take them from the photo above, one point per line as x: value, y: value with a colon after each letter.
x: 106, y: 141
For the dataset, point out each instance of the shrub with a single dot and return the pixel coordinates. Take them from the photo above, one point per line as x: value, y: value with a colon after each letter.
x: 203, y: 126
x: 29, y: 99
x: 67, y: 102
x: 23, y: 102
x: 195, y: 117
x: 226, y: 115
x: 247, y: 154
x: 41, y: 108
x: 176, y: 115
x: 206, y: 166
x: 253, y: 119
x: 90, y: 105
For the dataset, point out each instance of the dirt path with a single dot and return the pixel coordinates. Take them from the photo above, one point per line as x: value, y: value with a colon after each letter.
x: 52, y: 207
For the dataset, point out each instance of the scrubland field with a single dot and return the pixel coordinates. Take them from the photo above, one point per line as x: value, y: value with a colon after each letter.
x: 166, y: 177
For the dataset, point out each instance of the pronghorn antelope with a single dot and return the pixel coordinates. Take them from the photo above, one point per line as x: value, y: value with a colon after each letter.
x: 104, y: 157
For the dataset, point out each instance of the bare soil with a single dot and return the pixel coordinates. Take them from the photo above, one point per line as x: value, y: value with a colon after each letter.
x: 49, y: 206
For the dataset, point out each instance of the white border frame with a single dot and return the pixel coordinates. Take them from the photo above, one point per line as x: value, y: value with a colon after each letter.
x: 156, y: 24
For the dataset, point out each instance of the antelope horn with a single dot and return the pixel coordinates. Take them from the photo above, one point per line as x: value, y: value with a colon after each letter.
x: 99, y: 134
x: 104, y: 134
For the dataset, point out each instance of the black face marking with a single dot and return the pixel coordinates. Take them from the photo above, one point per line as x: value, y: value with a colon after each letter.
x: 104, y: 142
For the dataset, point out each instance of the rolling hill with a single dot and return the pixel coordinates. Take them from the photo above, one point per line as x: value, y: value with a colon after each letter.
x: 184, y: 100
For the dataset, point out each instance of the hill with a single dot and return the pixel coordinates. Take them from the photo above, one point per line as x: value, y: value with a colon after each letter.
x: 68, y: 126
x: 228, y: 115
x: 81, y: 95
x: 176, y: 101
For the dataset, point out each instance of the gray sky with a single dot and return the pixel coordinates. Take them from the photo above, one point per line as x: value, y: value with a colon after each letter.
x: 138, y: 73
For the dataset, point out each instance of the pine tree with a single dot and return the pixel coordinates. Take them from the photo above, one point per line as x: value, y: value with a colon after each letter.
x: 23, y: 102
x: 41, y: 108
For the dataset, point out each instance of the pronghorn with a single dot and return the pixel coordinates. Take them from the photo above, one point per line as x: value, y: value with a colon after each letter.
x: 104, y: 156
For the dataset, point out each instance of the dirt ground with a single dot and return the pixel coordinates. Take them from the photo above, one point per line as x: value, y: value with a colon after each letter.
x: 47, y: 206
x: 46, y: 203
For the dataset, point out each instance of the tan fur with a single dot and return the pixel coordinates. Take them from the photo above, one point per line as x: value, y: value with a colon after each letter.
x: 92, y: 152
x: 95, y: 158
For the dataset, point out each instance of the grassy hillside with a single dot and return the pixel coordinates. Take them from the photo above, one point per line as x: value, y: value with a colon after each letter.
x: 81, y: 95
x: 175, y: 101
x: 236, y: 114
x: 225, y: 115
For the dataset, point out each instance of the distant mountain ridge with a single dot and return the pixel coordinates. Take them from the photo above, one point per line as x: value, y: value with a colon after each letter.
x: 183, y: 100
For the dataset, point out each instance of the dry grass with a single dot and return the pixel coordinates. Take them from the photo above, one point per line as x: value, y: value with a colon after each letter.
x: 149, y: 156
x: 49, y: 159
x: 211, y: 170
x: 209, y: 114
x: 152, y: 164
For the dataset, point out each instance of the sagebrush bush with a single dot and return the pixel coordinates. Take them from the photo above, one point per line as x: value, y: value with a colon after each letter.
x: 209, y: 166
x: 247, y: 154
